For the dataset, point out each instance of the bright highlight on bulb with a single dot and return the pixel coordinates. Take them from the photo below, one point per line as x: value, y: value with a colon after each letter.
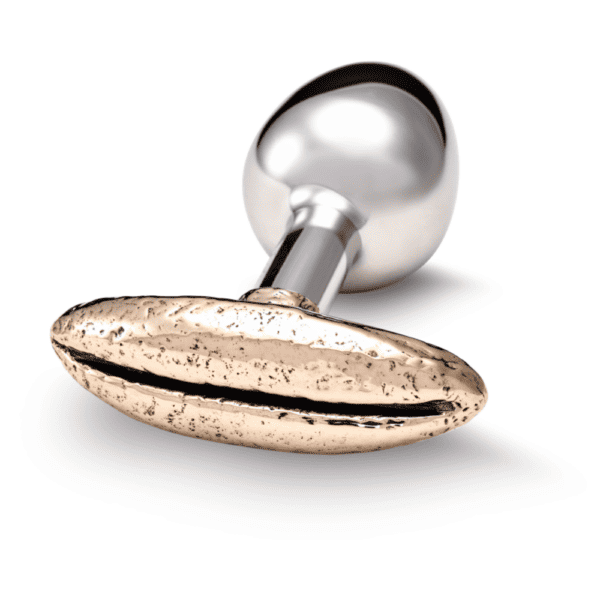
x: 284, y: 153
x: 354, y: 126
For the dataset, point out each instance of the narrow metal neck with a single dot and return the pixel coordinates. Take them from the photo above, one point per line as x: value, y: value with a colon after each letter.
x: 281, y: 297
x: 314, y: 255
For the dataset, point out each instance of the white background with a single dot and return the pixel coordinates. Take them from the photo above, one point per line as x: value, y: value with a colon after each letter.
x: 123, y: 132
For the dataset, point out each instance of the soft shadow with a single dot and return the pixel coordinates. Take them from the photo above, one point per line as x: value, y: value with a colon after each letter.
x: 93, y: 449
x: 432, y: 292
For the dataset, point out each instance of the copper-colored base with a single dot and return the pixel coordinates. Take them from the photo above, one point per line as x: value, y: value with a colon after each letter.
x: 295, y: 357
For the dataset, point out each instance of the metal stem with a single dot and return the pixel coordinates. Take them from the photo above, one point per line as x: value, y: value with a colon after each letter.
x: 314, y: 255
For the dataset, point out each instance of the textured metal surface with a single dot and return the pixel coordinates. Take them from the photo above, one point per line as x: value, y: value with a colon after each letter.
x: 263, y: 375
x: 375, y: 136
x: 281, y: 297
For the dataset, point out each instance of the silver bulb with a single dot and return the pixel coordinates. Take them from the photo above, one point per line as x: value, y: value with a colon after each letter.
x: 368, y: 148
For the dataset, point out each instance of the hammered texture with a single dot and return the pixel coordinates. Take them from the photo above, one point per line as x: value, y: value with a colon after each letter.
x: 278, y: 350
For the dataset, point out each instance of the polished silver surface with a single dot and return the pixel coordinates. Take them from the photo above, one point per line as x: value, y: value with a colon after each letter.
x: 319, y: 247
x: 351, y: 182
x: 371, y: 142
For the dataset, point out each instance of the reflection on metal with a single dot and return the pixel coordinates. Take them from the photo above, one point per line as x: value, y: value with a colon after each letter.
x: 376, y: 138
x: 264, y: 375
x: 267, y: 295
x: 350, y: 185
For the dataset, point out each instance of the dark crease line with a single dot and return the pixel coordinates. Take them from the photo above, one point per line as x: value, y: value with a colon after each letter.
x: 258, y: 398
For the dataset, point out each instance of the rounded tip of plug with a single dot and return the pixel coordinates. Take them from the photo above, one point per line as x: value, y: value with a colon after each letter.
x: 376, y: 135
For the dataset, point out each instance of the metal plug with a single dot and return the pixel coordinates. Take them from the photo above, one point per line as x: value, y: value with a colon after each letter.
x: 349, y: 186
